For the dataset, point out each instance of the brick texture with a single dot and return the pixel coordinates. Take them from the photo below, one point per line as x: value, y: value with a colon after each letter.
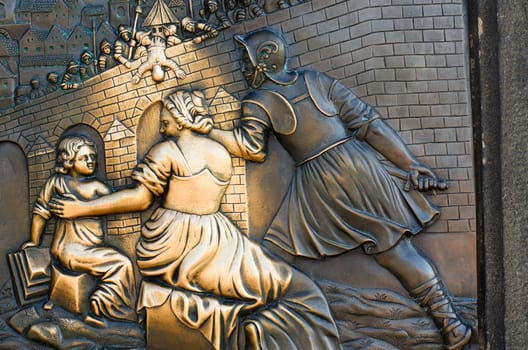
x: 405, y: 57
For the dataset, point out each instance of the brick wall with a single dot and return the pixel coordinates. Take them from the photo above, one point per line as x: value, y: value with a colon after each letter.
x: 406, y: 57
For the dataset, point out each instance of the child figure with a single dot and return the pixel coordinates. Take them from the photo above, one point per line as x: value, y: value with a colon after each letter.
x: 78, y: 245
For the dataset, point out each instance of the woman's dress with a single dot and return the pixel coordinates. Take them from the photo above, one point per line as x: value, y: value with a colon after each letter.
x: 219, y: 279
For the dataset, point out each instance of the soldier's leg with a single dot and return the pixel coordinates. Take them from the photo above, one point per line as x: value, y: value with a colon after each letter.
x: 419, y: 276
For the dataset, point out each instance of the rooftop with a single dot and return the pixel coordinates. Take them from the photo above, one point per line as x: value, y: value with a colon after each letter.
x: 159, y: 14
x: 36, y: 6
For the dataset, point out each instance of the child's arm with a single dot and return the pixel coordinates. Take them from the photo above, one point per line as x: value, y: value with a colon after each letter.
x: 37, y: 227
x: 41, y: 214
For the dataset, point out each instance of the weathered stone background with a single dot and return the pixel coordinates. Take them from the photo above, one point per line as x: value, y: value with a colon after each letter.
x: 406, y: 57
x: 499, y: 56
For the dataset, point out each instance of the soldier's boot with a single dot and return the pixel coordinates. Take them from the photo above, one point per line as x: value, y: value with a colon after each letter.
x: 433, y: 296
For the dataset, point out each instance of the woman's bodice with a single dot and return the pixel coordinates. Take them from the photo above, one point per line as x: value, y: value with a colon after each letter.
x: 199, y: 193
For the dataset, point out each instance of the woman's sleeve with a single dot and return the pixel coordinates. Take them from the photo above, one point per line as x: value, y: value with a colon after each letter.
x: 253, y: 133
x: 155, y: 169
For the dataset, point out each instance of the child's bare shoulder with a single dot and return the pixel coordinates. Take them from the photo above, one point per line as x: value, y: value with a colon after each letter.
x: 96, y: 186
x: 102, y: 187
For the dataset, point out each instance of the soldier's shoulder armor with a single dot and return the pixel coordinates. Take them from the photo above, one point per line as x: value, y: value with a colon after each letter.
x: 319, y: 87
x: 279, y: 110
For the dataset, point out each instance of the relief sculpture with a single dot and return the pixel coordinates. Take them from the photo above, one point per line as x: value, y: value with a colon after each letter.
x: 214, y: 278
x: 341, y: 197
x: 78, y: 245
x: 88, y: 278
x: 138, y: 233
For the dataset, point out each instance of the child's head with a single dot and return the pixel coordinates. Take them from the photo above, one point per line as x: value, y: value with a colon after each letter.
x: 75, y: 154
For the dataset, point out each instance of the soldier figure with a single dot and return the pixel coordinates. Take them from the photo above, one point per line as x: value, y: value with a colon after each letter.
x: 72, y: 78
x: 249, y: 10
x: 231, y: 10
x: 213, y: 15
x: 123, y: 45
x: 21, y: 94
x: 203, y: 31
x: 87, y: 68
x: 106, y: 58
x: 342, y: 197
x: 36, y: 90
x: 171, y: 35
x: 53, y: 82
x: 274, y: 5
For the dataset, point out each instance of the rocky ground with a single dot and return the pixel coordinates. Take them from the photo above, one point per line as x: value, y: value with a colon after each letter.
x: 32, y: 328
x: 379, y: 319
x: 368, y: 319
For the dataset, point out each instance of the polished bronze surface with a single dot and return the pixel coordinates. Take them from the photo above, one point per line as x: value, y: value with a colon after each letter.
x: 217, y: 280
x: 203, y: 181
x: 341, y: 197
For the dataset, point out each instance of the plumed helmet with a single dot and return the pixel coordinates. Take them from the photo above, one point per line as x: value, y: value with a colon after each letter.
x: 267, y: 50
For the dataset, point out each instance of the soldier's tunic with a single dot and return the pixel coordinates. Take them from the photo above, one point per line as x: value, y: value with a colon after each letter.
x: 341, y: 196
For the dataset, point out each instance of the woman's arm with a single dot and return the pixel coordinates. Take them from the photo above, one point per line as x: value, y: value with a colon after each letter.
x: 138, y: 198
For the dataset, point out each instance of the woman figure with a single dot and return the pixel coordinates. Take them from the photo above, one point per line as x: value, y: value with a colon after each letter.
x: 189, y: 245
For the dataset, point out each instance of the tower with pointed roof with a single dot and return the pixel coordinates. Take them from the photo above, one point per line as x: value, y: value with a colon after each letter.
x: 159, y: 15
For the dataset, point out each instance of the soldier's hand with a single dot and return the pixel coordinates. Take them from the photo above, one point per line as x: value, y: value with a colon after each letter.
x: 180, y: 74
x: 204, y: 126
x: 424, y: 179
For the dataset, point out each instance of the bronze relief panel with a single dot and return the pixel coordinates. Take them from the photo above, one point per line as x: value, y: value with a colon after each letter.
x: 253, y: 175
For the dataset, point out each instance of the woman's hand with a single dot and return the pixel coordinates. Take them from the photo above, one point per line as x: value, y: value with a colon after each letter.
x: 68, y: 207
x: 424, y: 179
x: 28, y: 244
